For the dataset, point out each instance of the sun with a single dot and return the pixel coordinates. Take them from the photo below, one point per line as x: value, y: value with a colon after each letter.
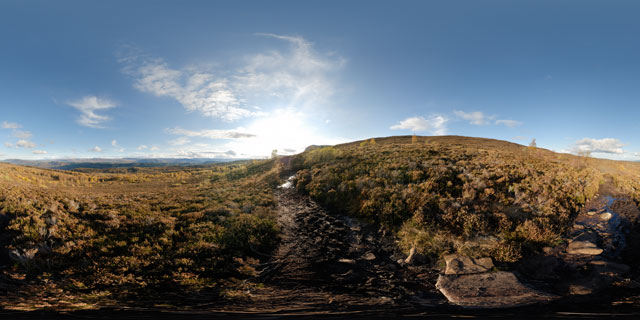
x: 285, y: 130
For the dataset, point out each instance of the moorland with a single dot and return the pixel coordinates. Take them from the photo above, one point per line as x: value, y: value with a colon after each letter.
x: 362, y: 225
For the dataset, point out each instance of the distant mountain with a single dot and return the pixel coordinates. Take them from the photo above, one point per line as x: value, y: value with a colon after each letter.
x: 99, y: 163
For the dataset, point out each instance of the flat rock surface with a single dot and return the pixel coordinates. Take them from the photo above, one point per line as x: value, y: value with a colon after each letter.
x: 583, y: 247
x: 459, y: 264
x: 489, y: 290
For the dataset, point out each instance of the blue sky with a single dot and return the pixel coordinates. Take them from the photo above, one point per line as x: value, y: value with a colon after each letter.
x: 237, y: 79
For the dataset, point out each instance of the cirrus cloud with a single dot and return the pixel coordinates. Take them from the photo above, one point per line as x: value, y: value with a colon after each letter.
x: 88, y: 107
x: 297, y: 77
x: 211, y: 134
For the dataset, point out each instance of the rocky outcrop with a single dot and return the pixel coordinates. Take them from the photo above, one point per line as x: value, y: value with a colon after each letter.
x: 469, y: 282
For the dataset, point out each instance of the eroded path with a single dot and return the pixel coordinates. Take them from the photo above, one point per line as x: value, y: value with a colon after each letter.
x: 334, y: 262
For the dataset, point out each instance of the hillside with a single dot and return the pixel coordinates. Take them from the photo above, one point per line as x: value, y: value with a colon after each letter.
x: 450, y: 189
x: 73, y: 239
x: 220, y: 233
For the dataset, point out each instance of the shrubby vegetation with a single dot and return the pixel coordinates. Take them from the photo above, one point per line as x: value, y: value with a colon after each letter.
x: 478, y: 196
x: 134, y: 235
x: 138, y: 232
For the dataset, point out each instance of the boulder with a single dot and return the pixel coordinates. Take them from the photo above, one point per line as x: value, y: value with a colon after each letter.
x: 605, y: 216
x: 584, y: 248
x: 489, y: 290
x: 459, y: 264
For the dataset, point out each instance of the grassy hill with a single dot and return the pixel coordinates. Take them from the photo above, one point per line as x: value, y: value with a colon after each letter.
x: 472, y: 195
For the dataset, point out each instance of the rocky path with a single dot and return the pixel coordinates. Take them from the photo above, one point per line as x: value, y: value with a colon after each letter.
x: 330, y: 260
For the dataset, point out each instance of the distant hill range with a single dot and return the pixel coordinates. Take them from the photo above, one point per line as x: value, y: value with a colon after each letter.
x: 98, y: 163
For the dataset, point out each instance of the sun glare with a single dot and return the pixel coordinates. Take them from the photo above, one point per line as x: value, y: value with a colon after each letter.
x: 286, y: 130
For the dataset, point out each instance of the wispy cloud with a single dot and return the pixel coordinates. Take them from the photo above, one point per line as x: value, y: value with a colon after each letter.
x: 10, y: 125
x: 95, y: 149
x: 114, y: 143
x: 88, y: 106
x: 296, y: 77
x: 476, y: 117
x: 211, y: 134
x: 22, y: 134
x: 606, y: 145
x: 142, y: 147
x: 179, y: 141
x: 508, y: 123
x: 435, y: 124
x: 230, y: 154
x: 25, y: 144
x: 39, y: 152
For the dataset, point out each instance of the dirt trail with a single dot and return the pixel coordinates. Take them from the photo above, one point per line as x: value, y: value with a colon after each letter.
x: 334, y: 262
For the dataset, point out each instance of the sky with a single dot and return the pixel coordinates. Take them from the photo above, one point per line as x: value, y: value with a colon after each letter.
x: 238, y: 79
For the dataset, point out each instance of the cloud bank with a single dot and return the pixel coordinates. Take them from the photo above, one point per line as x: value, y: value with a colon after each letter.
x: 606, y: 145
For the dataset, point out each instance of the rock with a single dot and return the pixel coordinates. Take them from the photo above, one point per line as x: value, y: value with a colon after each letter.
x: 583, y: 247
x: 591, y: 213
x: 369, y: 256
x: 385, y: 300
x: 605, y: 216
x: 347, y: 261
x: 459, y: 264
x: 580, y: 290
x: 489, y: 290
x: 412, y: 252
x: 589, y: 285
